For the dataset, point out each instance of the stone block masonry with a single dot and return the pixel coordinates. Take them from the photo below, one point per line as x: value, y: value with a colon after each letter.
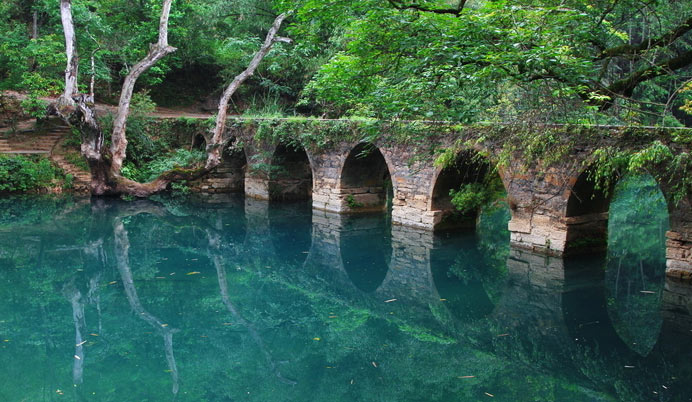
x: 554, y: 211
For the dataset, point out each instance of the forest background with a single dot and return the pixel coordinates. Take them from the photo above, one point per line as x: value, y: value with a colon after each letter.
x: 596, y: 61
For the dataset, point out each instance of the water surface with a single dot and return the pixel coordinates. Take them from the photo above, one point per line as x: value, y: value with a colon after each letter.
x: 231, y: 299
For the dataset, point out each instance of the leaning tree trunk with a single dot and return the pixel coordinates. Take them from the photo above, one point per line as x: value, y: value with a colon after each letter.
x: 217, y: 142
x: 105, y: 164
x: 157, y: 51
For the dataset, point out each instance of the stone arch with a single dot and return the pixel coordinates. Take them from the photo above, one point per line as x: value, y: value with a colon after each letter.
x: 469, y: 167
x: 233, y: 167
x: 586, y: 215
x: 229, y: 176
x: 366, y: 180
x: 290, y: 175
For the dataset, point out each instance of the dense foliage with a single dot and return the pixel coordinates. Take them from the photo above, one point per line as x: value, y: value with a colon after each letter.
x: 574, y: 61
x: 20, y: 173
x: 532, y: 59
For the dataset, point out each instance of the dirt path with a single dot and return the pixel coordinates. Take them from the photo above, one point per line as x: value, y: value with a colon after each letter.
x: 159, y: 112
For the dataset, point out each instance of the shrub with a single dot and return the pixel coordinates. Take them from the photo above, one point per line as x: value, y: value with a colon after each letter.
x: 472, y: 196
x: 22, y: 174
x: 151, y: 170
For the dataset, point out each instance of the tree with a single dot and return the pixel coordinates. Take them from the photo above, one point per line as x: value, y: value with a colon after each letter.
x: 462, y: 60
x: 105, y: 164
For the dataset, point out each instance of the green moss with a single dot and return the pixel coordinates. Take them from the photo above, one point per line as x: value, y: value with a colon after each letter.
x: 614, y: 150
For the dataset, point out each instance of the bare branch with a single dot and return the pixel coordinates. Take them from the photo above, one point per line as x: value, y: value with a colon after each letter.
x: 419, y: 7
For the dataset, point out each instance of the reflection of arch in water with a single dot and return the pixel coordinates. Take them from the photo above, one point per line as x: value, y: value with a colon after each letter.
x: 225, y: 213
x: 468, y: 169
x: 290, y: 229
x: 365, y: 248
x: 584, y: 306
x: 635, y: 270
x: 258, y: 243
x: 620, y: 220
x: 601, y: 348
x: 454, y: 264
x: 290, y: 177
x: 365, y: 181
x: 554, y: 313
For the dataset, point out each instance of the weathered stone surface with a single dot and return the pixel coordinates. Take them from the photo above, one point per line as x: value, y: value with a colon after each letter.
x: 554, y: 211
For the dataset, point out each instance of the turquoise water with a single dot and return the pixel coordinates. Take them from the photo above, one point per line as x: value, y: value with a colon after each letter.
x: 239, y: 300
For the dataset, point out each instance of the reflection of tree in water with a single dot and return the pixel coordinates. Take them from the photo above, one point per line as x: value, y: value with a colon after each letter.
x: 74, y: 296
x: 122, y: 246
x: 635, y: 270
x: 217, y: 259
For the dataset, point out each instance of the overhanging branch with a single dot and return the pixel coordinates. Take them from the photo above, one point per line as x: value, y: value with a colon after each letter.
x: 647, y: 44
x: 420, y: 7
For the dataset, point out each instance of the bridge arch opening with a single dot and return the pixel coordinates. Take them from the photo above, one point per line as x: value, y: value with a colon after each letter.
x: 587, y: 215
x: 231, y: 171
x: 199, y: 143
x: 228, y: 176
x: 462, y: 188
x: 290, y: 176
x: 366, y: 183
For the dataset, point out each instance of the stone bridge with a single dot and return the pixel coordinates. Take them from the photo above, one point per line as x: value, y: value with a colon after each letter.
x: 556, y: 210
